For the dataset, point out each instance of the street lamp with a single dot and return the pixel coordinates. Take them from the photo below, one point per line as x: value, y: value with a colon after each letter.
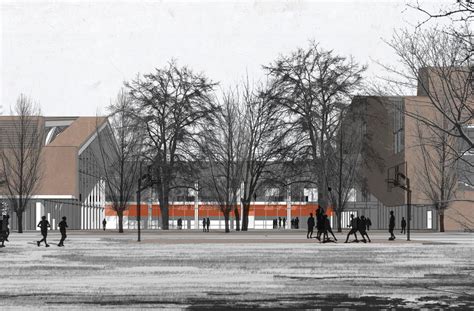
x: 148, y: 182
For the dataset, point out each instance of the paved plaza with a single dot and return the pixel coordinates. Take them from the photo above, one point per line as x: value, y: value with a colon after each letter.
x: 256, y: 269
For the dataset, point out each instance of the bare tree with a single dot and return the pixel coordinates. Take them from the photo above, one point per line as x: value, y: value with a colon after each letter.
x: 344, y: 162
x: 20, y: 153
x: 268, y: 140
x: 119, y: 154
x: 172, y: 104
x: 223, y: 146
x: 438, y: 169
x: 314, y: 85
x: 434, y: 62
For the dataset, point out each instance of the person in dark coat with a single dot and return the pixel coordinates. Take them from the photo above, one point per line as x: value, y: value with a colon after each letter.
x: 297, y: 223
x: 327, y: 230
x: 319, y: 222
x: 62, y: 228
x: 284, y: 222
x: 279, y: 222
x: 3, y: 231
x: 391, y: 226
x: 208, y: 223
x: 368, y: 223
x: 309, y: 235
x: 44, y: 225
x: 104, y: 223
x: 353, y: 230
x: 362, y: 228
x: 404, y: 225
x: 204, y: 222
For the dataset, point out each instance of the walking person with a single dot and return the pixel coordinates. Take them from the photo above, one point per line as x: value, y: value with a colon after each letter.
x: 353, y: 230
x: 208, y: 223
x: 3, y: 231
x: 368, y: 223
x: 404, y: 225
x: 391, y: 226
x: 104, y: 223
x: 309, y: 235
x: 279, y: 222
x: 327, y: 229
x: 319, y: 222
x: 204, y: 222
x: 284, y: 222
x: 62, y: 228
x: 362, y: 228
x: 297, y: 223
x: 43, y: 225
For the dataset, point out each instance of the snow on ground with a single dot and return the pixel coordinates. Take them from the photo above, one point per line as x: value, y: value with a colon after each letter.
x: 258, y: 269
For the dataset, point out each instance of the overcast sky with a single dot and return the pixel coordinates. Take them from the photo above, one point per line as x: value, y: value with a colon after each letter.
x: 72, y: 57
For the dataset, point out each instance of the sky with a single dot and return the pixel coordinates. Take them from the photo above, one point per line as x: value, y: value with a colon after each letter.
x: 73, y: 57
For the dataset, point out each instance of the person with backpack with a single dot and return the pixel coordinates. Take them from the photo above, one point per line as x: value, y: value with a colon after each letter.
x: 44, y: 225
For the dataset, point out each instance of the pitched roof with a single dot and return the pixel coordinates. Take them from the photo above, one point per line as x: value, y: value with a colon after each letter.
x: 79, y: 132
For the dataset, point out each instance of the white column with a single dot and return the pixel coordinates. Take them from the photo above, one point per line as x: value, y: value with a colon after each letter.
x: 39, y: 213
x: 82, y: 217
x: 196, y: 207
x: 288, y: 208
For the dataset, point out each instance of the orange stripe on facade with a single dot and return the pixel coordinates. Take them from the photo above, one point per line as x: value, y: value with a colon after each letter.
x: 209, y: 210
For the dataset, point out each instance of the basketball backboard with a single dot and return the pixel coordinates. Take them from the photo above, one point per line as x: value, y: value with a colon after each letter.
x: 396, y: 176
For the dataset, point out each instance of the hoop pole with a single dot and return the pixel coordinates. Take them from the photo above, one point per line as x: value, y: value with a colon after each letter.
x: 408, y: 208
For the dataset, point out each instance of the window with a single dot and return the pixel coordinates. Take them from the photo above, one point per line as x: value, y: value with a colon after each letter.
x: 351, y: 196
x: 398, y: 125
x: 310, y: 194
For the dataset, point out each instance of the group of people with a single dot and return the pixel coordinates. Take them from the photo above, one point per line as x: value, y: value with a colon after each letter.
x: 323, y: 226
x: 295, y: 223
x: 206, y: 222
x: 44, y: 225
x: 361, y: 225
x: 277, y: 223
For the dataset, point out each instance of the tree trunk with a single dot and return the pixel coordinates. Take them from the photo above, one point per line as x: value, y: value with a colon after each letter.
x: 120, y: 220
x: 339, y: 221
x: 237, y: 218
x: 245, y: 216
x: 164, y: 208
x: 441, y: 221
x: 226, y: 221
x: 19, y: 216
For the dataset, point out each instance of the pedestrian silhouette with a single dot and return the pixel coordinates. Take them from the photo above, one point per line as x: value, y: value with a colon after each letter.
x: 353, y: 230
x: 284, y: 222
x: 309, y: 235
x: 62, y: 228
x: 3, y: 231
x: 391, y: 226
x: 368, y: 223
x: 292, y: 223
x: 319, y: 222
x: 104, y: 223
x: 327, y: 230
x: 404, y: 225
x: 208, y: 223
x: 297, y: 223
x: 43, y: 225
x: 204, y: 222
x: 279, y: 222
x: 362, y: 226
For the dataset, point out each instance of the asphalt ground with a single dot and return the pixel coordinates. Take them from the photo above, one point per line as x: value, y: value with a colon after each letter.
x: 272, y: 269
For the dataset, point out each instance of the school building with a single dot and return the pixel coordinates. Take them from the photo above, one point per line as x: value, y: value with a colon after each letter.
x: 70, y: 184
